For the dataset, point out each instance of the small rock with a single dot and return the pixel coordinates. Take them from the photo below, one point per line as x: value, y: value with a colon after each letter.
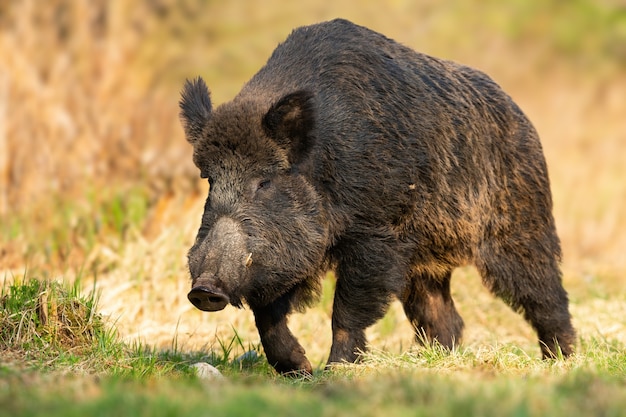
x: 249, y: 356
x: 206, y: 371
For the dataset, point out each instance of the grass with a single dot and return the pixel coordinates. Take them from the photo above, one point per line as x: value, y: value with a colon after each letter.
x: 577, y: 395
x: 61, y: 357
x: 40, y: 315
x: 99, y: 202
x: 50, y: 325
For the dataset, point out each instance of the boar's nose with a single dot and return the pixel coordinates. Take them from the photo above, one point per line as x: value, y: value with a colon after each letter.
x: 206, y: 299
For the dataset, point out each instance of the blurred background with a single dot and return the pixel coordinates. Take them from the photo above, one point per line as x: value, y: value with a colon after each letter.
x: 96, y: 178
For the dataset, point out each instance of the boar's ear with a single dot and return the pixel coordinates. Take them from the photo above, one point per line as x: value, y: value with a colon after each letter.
x: 290, y: 122
x: 195, y: 108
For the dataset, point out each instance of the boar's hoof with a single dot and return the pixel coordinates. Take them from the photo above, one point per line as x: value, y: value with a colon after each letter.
x: 206, y: 299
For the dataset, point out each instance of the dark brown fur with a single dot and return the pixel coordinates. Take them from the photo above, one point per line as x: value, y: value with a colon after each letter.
x: 350, y: 151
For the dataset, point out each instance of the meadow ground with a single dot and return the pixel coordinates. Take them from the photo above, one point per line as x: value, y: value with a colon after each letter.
x: 97, y: 191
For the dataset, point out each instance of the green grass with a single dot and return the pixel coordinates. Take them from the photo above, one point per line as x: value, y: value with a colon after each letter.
x: 580, y: 392
x: 50, y: 326
x: 64, y: 231
x: 59, y: 356
x: 581, y: 28
x: 48, y: 316
x: 73, y: 363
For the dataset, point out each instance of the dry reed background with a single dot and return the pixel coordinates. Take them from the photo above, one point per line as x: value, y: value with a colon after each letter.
x: 88, y: 106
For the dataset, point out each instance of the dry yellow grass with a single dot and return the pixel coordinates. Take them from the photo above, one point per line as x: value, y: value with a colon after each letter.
x: 77, y: 103
x: 90, y: 101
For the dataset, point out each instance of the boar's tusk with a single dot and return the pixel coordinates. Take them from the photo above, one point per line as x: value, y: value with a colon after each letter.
x: 248, y: 260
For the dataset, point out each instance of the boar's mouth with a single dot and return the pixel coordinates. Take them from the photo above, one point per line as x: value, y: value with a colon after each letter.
x: 206, y: 299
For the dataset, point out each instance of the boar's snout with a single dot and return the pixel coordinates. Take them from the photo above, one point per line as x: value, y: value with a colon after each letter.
x: 206, y: 299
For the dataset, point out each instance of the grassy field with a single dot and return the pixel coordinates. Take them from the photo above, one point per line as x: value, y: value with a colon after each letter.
x: 99, y: 202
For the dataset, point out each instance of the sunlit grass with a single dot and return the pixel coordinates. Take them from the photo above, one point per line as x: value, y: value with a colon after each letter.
x: 107, y: 373
x: 99, y: 202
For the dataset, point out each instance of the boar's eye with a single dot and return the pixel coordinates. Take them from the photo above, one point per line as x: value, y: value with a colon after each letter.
x: 263, y: 184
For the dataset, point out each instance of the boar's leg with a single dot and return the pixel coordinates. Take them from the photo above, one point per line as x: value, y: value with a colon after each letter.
x: 367, y: 279
x: 282, y: 349
x: 527, y: 277
x: 429, y: 306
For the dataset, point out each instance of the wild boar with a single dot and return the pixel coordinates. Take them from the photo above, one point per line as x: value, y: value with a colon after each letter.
x: 350, y: 152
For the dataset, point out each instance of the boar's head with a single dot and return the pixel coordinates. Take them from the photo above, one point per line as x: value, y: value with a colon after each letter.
x: 263, y: 232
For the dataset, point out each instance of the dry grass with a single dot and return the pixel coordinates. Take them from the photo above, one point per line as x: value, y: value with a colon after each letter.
x: 77, y: 103
x: 38, y: 315
x: 88, y: 101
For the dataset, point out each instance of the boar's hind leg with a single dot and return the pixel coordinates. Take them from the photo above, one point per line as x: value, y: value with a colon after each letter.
x: 529, y: 280
x: 429, y: 306
x: 282, y: 349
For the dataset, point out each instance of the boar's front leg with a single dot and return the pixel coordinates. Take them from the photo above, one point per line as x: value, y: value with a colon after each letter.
x: 367, y: 278
x: 282, y: 349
